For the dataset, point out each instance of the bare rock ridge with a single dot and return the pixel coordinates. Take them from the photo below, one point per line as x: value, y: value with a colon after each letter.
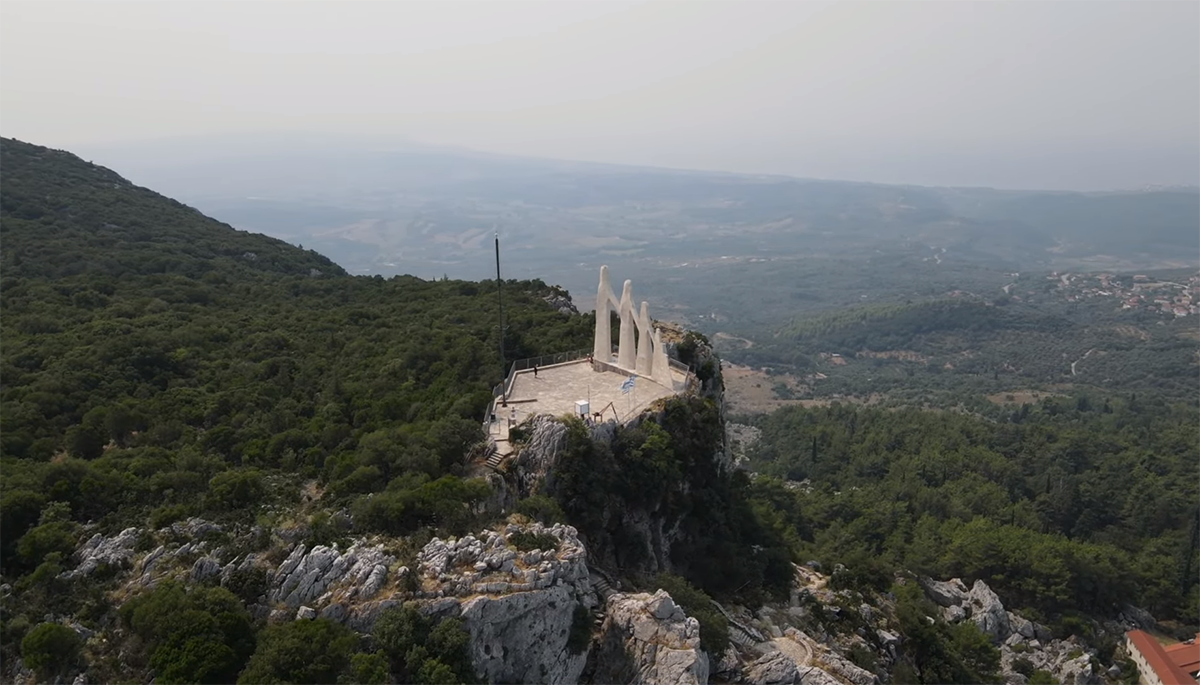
x: 1017, y: 637
x: 326, y: 576
x: 649, y: 639
x: 520, y: 606
x: 517, y: 605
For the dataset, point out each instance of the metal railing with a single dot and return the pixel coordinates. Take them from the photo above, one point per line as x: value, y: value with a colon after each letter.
x: 505, y: 389
x: 691, y: 381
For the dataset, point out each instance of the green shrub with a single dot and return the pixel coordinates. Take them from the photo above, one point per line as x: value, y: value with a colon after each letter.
x: 422, y: 652
x: 316, y: 651
x: 527, y: 541
x: 1023, y: 666
x: 367, y: 669
x: 50, y: 648
x: 237, y: 488
x: 581, y: 630
x: 863, y: 657
x: 1042, y: 677
x: 519, y: 435
x: 541, y: 508
x: 193, y: 634
x: 46, y: 539
x: 167, y: 514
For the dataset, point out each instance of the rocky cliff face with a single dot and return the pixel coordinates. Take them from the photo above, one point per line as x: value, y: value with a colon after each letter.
x: 534, y: 466
x: 519, y: 589
x: 1018, y: 638
x: 648, y: 639
x: 518, y: 606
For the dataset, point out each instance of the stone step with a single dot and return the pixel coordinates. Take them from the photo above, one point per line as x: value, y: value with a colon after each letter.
x: 603, y: 589
x: 741, y: 637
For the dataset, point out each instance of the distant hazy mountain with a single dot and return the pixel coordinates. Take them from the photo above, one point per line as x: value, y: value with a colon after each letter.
x: 402, y: 207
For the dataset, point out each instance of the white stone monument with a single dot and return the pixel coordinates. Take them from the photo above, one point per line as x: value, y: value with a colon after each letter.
x: 640, y: 349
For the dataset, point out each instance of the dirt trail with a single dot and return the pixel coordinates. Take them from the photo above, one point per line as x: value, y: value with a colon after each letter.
x: 1085, y: 356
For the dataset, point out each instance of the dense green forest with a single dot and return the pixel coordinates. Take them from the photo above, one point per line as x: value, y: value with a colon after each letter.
x: 1067, y: 506
x: 158, y: 365
x: 943, y: 351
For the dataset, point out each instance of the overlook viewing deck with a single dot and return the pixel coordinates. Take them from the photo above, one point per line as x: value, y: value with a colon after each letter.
x: 556, y: 388
x: 554, y: 384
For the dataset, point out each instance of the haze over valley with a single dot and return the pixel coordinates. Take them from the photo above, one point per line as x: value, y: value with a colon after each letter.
x: 893, y: 375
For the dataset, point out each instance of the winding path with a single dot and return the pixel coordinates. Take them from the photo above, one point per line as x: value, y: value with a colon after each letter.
x: 1085, y: 356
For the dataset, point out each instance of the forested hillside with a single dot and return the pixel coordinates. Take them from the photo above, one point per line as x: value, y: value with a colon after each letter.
x: 946, y: 350
x: 159, y: 365
x: 1067, y: 507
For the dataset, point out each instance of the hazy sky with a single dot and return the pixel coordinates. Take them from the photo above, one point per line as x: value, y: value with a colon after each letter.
x: 1012, y: 94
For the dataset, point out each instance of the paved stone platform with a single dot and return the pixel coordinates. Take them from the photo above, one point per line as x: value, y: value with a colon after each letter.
x: 555, y: 389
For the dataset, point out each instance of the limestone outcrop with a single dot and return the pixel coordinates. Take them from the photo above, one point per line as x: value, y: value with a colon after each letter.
x: 104, y: 551
x: 492, y: 564
x: 649, y: 639
x: 517, y: 603
x: 523, y: 637
x: 1019, y: 638
x: 536, y: 460
x: 774, y: 668
x: 323, y: 574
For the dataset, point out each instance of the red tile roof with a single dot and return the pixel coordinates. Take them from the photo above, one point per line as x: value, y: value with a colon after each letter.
x: 1185, y: 656
x: 1168, y: 669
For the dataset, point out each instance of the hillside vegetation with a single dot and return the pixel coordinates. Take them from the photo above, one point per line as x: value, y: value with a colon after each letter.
x: 1066, y: 507
x: 159, y: 365
x: 949, y: 350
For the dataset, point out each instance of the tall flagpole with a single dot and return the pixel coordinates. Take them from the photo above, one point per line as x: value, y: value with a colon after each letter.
x: 500, y: 301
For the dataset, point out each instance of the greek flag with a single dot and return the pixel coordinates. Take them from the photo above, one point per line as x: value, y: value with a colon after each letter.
x: 627, y: 386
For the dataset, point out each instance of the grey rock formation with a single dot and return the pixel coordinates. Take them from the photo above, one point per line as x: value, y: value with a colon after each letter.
x: 149, y: 562
x: 304, y: 578
x: 535, y: 463
x: 522, y: 637
x: 811, y: 675
x: 636, y: 646
x: 517, y: 606
x: 1017, y: 637
x: 847, y: 670
x: 1022, y: 626
x: 100, y: 550
x: 945, y: 593
x: 489, y: 565
x: 561, y: 302
x: 775, y: 668
x: 194, y: 527
x: 204, y: 568
x: 305, y: 613
x: 988, y: 612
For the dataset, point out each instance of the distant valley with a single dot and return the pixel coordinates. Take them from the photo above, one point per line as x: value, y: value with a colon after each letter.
x: 759, y: 263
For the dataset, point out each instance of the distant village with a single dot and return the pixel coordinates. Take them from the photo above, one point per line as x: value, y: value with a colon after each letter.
x: 1173, y: 298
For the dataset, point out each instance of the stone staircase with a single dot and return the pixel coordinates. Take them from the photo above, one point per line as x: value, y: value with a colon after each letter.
x: 740, y: 633
x: 603, y: 592
x: 495, y: 453
x: 740, y: 637
x: 494, y: 459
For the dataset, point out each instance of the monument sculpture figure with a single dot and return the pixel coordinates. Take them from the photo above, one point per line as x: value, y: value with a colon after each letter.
x: 640, y: 349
